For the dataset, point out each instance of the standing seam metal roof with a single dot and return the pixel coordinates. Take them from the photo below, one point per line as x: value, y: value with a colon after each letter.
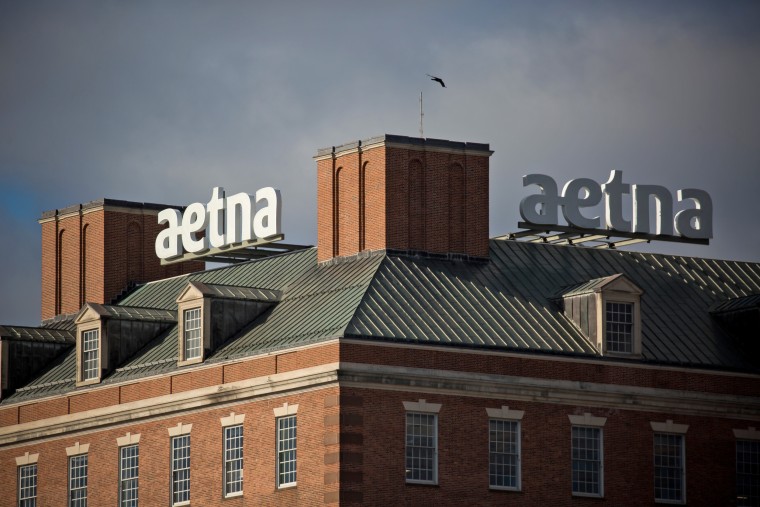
x: 503, y: 304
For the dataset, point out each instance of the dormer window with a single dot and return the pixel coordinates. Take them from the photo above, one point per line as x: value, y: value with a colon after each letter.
x: 192, y: 333
x: 608, y: 312
x: 109, y: 334
x: 619, y: 327
x: 90, y: 347
x: 91, y: 354
x: 210, y: 314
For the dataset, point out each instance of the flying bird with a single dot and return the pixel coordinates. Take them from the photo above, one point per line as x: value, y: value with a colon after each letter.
x: 436, y: 79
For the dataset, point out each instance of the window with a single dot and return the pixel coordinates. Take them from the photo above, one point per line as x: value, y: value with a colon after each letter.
x: 192, y: 333
x: 421, y: 447
x: 129, y: 463
x: 181, y: 470
x: 619, y: 327
x: 587, y: 460
x: 747, y: 472
x: 90, y: 346
x: 504, y: 454
x: 233, y: 460
x: 286, y: 451
x: 27, y: 485
x: 669, y: 471
x: 78, y: 481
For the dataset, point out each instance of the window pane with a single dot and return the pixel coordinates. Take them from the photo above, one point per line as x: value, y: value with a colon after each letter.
x: 421, y: 447
x: 504, y: 458
x: 128, y: 475
x: 286, y: 450
x: 78, y: 481
x: 587, y: 459
x: 181, y: 469
x: 90, y: 345
x: 233, y: 460
x: 27, y: 486
x: 192, y: 330
x: 668, y: 467
x: 747, y: 473
x: 619, y: 330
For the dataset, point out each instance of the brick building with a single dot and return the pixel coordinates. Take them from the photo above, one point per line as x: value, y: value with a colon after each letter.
x: 406, y: 360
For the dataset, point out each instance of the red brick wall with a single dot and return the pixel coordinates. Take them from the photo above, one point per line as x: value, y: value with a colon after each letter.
x: 148, y: 388
x: 101, y: 242
x: 411, y: 199
x: 546, y: 458
x: 206, y: 457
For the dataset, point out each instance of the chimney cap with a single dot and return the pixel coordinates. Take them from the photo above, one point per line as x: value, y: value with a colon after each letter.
x: 406, y: 142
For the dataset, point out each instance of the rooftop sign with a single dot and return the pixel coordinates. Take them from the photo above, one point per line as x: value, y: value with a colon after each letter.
x: 692, y: 223
x: 223, y: 224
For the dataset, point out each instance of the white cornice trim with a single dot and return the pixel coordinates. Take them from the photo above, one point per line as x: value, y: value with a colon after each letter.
x: 128, y: 439
x: 422, y: 406
x: 669, y: 427
x: 393, y: 378
x: 171, y: 405
x: 232, y: 420
x: 180, y: 429
x: 749, y: 434
x: 77, y: 448
x: 587, y: 419
x: 505, y: 413
x: 285, y: 409
x: 562, y: 392
x: 27, y: 459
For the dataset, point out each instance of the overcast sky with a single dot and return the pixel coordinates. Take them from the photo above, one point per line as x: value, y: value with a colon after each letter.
x: 161, y: 101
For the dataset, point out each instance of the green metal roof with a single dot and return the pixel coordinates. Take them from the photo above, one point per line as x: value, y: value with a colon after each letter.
x: 36, y: 334
x: 135, y: 313
x: 504, y: 304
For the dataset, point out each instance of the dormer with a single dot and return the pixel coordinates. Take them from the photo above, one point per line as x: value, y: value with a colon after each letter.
x: 740, y: 316
x: 26, y: 351
x: 608, y: 312
x: 108, y: 335
x: 210, y: 314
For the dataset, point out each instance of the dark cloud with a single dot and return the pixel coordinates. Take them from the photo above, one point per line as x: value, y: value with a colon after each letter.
x: 161, y: 101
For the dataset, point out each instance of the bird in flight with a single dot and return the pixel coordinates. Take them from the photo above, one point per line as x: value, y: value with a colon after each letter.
x: 436, y: 79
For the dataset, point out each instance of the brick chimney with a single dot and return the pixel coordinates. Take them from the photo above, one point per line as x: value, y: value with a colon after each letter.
x: 405, y: 194
x: 92, y: 252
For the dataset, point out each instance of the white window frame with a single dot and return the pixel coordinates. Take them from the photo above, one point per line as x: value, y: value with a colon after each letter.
x: 233, y: 438
x: 287, y: 454
x: 282, y: 413
x: 608, y: 333
x: 129, y: 470
x: 588, y: 421
x: 670, y: 429
x: 504, y: 414
x: 177, y: 434
x: 233, y: 420
x: 750, y: 436
x: 420, y: 409
x: 27, y: 485
x: 192, y: 315
x: 180, y: 470
x: 599, y: 438
x: 78, y: 484
x: 89, y: 367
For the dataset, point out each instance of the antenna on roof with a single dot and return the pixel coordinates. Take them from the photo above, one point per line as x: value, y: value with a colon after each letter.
x: 421, y: 115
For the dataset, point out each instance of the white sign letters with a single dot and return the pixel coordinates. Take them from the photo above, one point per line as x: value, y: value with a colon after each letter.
x: 584, y: 193
x: 227, y: 221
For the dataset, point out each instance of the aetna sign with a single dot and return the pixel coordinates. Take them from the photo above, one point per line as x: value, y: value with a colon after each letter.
x: 224, y: 222
x: 695, y: 222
